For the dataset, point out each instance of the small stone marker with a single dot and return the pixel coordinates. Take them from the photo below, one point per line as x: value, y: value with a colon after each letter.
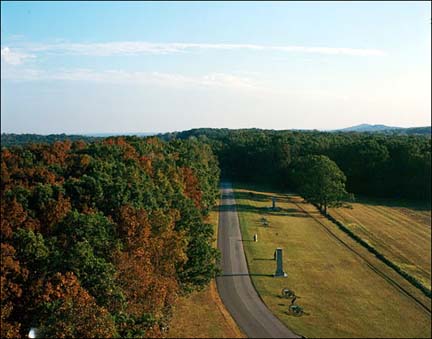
x: 279, y: 265
x: 255, y: 237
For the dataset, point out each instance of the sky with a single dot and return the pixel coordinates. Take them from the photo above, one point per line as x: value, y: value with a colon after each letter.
x: 129, y: 67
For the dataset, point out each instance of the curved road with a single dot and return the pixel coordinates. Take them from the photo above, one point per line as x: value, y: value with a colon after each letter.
x: 234, y: 285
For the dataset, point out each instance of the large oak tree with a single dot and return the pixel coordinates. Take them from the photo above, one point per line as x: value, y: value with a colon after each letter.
x: 320, y: 181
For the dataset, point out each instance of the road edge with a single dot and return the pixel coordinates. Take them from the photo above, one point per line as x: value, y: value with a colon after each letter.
x: 253, y: 284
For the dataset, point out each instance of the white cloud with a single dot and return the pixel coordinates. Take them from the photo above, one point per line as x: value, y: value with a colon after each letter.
x: 14, y: 58
x: 142, y: 47
x: 211, y: 80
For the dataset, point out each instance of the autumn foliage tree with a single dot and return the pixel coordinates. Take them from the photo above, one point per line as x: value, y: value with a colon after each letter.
x: 99, y: 238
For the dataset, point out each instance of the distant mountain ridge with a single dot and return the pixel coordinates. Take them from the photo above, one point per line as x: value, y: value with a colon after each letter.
x: 368, y: 128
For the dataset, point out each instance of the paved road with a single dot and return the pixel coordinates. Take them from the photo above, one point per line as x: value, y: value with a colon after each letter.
x: 235, y: 287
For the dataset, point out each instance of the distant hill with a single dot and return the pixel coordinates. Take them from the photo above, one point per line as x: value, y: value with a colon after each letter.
x: 426, y: 130
x: 368, y: 128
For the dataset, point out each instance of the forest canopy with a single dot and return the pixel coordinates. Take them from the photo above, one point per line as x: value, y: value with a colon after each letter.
x: 98, y: 239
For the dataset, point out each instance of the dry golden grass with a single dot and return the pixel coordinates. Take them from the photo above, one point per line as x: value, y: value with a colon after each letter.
x: 202, y: 314
x: 345, y: 290
x: 401, y: 233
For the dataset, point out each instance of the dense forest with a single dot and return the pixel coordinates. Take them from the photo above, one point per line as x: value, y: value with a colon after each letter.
x: 380, y: 165
x: 98, y: 239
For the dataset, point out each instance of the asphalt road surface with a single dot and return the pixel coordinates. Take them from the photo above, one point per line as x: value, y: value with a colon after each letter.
x: 234, y: 285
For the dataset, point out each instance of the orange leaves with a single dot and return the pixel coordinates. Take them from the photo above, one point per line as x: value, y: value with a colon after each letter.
x: 10, y: 272
x: 42, y: 175
x: 73, y: 312
x: 13, y: 216
x: 85, y: 160
x: 61, y: 150
x: 8, y: 329
x: 78, y: 145
x: 134, y: 227
x: 62, y: 286
x: 146, y: 164
x: 129, y: 151
x: 5, y: 175
x: 136, y: 276
x: 192, y: 189
x: 147, y: 267
x: 56, y: 210
x: 11, y: 291
x: 56, y: 153
x: 153, y: 141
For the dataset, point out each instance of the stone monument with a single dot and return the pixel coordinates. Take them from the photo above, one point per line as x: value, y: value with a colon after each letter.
x: 273, y: 202
x: 279, y: 265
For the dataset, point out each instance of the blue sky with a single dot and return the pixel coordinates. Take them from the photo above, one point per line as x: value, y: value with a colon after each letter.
x: 86, y: 67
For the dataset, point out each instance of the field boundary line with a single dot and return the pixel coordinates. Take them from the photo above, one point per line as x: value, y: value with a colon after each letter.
x: 375, y: 239
x: 408, y: 277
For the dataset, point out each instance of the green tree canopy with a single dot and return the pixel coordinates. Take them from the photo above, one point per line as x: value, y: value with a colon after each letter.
x: 320, y: 181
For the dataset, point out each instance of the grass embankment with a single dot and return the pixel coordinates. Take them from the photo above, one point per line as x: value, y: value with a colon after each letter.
x: 202, y: 314
x: 345, y: 290
x: 401, y: 232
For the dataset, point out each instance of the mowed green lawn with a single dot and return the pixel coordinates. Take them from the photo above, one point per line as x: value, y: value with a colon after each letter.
x: 401, y: 232
x: 341, y: 293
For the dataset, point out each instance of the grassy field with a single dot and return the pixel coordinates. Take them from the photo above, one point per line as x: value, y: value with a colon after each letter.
x: 345, y: 291
x: 202, y: 314
x: 402, y: 232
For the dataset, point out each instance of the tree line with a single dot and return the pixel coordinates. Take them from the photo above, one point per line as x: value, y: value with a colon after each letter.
x: 12, y: 139
x: 376, y: 165
x: 98, y: 239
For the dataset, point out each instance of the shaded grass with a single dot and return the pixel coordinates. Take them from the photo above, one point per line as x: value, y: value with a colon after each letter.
x: 202, y: 314
x: 341, y: 293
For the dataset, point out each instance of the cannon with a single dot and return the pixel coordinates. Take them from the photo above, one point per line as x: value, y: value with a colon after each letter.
x: 294, y: 309
x: 287, y: 293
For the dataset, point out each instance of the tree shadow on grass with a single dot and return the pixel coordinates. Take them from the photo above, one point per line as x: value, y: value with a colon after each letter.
x: 253, y: 196
x: 292, y: 212
x: 244, y: 275
x: 264, y: 259
x: 418, y: 205
x: 262, y: 197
